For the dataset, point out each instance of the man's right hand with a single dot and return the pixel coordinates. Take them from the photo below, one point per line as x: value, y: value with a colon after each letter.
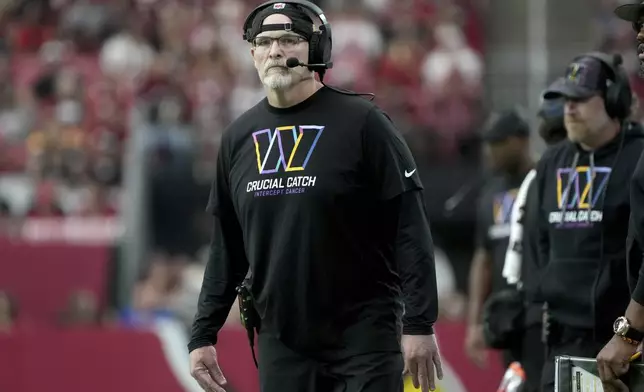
x: 475, y: 347
x: 205, y: 369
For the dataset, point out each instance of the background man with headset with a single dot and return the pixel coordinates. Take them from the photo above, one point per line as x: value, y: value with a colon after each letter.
x: 317, y: 193
x: 582, y: 186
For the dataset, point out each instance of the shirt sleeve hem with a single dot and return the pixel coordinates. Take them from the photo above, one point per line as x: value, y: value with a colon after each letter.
x: 418, y: 330
x: 201, y: 342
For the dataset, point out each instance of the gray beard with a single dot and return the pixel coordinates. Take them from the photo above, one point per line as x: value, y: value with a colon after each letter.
x: 281, y: 81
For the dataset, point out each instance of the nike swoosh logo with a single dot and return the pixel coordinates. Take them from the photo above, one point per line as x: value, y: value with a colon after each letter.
x: 408, y: 174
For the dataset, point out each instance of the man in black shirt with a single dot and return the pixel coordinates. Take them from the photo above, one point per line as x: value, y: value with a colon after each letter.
x: 613, y: 360
x: 318, y: 195
x: 583, y: 189
x: 507, y: 141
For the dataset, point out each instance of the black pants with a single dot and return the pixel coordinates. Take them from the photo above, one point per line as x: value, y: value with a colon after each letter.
x: 283, y: 370
x: 530, y: 352
x: 572, y: 342
x: 533, y: 353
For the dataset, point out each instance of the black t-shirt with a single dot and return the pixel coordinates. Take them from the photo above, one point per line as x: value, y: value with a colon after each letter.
x: 305, y: 192
x: 493, y: 223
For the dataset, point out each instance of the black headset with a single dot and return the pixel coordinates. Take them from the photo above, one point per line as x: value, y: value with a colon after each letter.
x: 619, y: 95
x: 321, y: 41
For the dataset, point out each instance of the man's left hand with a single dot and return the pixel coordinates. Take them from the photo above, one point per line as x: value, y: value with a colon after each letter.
x: 421, y: 357
x: 613, y: 361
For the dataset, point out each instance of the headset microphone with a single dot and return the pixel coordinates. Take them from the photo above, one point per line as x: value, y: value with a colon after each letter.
x: 293, y: 62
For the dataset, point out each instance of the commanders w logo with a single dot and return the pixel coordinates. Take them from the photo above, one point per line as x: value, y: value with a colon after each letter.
x: 575, y: 73
x: 574, y: 186
x: 285, y: 147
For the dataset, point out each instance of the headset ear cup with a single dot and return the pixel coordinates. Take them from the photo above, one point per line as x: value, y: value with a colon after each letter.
x: 615, y: 103
x: 625, y: 96
x: 326, y: 47
x: 621, y: 95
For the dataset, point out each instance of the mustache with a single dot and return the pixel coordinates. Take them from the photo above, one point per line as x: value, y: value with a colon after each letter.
x: 273, y: 65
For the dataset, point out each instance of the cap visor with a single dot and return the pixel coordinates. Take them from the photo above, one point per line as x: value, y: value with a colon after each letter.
x: 629, y: 12
x: 561, y: 89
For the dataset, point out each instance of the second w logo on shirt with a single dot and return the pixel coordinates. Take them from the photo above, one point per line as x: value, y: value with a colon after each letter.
x: 580, y: 193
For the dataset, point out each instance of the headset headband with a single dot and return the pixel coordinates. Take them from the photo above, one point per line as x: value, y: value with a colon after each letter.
x: 612, y: 62
x: 320, y: 41
x: 277, y: 3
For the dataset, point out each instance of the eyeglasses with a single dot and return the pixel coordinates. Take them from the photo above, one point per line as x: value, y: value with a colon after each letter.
x: 285, y: 42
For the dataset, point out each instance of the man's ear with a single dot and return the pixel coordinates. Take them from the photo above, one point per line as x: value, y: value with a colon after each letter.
x: 252, y: 54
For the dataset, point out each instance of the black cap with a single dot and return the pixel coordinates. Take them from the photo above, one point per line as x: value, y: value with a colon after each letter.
x: 552, y: 108
x: 585, y: 77
x: 630, y: 12
x: 300, y: 24
x: 505, y: 124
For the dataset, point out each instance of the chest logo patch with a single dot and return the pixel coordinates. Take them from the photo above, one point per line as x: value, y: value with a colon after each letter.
x: 579, y: 195
x: 285, y: 149
x: 288, y: 148
x: 501, y: 213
